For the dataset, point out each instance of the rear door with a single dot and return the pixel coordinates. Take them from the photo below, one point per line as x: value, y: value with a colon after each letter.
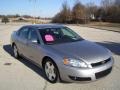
x: 22, y: 41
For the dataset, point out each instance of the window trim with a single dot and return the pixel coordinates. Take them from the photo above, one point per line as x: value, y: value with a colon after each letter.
x: 39, y: 42
x: 21, y: 29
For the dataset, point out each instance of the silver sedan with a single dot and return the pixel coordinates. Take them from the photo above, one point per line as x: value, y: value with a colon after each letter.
x: 62, y: 53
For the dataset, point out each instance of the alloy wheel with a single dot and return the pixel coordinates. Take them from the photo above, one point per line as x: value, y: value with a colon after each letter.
x: 51, y: 71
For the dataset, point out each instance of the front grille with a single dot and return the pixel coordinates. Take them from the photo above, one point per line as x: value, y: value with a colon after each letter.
x: 80, y: 78
x: 103, y: 73
x: 100, y: 63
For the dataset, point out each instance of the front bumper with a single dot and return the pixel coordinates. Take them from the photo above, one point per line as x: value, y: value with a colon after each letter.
x: 72, y: 74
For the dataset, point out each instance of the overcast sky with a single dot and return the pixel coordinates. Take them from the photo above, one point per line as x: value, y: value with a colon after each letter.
x: 43, y: 8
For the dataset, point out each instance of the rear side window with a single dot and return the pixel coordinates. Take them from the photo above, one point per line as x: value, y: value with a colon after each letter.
x: 23, y: 33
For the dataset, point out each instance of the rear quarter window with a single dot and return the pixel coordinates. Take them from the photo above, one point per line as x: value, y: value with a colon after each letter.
x: 23, y: 33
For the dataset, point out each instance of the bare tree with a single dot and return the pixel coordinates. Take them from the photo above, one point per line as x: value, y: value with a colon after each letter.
x: 78, y: 12
x: 5, y: 20
x: 64, y: 16
x: 111, y: 10
x: 91, y: 10
x: 65, y: 13
x: 117, y: 2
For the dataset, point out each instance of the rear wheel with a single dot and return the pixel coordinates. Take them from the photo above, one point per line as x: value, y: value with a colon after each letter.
x: 51, y: 71
x: 15, y: 51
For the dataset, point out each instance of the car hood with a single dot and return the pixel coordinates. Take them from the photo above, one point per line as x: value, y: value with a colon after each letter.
x: 87, y: 51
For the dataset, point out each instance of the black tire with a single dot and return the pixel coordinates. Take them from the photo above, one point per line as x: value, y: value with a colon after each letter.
x: 15, y: 52
x: 56, y: 72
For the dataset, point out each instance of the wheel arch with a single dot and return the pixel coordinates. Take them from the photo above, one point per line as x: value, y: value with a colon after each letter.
x: 45, y: 59
x: 12, y: 44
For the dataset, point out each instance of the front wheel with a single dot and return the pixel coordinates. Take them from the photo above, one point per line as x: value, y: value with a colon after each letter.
x: 15, y: 51
x: 51, y: 71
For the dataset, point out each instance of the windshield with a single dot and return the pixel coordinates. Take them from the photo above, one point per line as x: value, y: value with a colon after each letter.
x: 59, y: 35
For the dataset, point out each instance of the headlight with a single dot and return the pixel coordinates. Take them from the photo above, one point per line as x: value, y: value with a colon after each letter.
x: 74, y: 63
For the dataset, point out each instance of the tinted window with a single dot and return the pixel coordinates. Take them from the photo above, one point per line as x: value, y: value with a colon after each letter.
x: 23, y: 33
x: 59, y: 35
x: 33, y: 35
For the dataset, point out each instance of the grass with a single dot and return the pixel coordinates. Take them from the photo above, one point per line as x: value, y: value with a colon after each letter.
x: 105, y: 26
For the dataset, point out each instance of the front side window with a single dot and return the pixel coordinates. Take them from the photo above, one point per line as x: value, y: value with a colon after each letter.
x: 58, y: 35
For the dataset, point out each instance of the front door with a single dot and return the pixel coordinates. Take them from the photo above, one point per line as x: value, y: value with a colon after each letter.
x: 33, y: 46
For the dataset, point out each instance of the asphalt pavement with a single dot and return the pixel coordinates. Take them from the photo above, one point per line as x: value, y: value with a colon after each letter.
x: 23, y: 75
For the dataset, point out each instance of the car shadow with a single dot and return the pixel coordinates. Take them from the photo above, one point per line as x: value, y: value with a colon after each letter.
x: 112, y: 46
x: 27, y: 63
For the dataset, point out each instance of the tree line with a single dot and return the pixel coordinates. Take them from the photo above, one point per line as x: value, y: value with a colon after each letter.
x: 108, y: 11
x: 16, y: 16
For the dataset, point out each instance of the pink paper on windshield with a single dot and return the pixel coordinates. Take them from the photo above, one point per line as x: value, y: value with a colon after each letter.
x: 49, y: 38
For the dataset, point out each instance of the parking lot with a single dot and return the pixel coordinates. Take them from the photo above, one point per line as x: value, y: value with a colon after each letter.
x: 23, y: 75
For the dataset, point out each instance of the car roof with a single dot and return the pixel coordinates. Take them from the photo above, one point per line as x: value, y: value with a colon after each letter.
x: 41, y: 26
